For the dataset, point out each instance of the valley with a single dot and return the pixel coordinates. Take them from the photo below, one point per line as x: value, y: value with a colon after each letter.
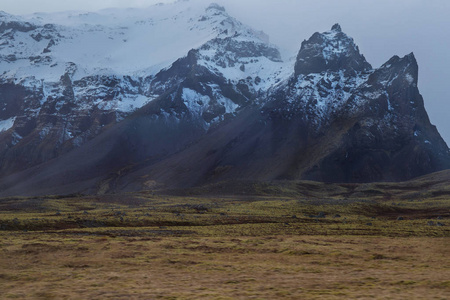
x: 284, y: 240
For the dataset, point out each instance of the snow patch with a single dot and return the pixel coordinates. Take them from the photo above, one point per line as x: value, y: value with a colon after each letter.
x: 132, y: 103
x: 7, y: 124
x: 409, y: 78
x: 230, y: 106
x: 390, y: 108
x: 16, y: 138
x: 194, y: 101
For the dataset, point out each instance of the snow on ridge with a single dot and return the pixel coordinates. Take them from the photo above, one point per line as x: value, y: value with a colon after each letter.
x: 337, y: 43
x: 100, y: 43
x: 322, y: 93
x: 198, y: 103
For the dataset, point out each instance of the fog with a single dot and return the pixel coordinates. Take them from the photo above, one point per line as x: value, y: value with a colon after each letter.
x: 381, y: 28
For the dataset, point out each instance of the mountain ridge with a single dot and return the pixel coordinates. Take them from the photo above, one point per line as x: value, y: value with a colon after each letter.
x: 230, y: 108
x: 74, y: 104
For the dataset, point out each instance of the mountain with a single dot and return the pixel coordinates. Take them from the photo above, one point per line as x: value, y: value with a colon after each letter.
x: 91, y: 104
x: 336, y: 119
x: 63, y: 83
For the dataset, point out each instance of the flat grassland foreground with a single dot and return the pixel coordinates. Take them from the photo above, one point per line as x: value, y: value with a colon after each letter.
x: 376, y: 241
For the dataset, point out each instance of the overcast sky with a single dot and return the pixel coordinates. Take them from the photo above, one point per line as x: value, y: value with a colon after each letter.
x: 381, y: 28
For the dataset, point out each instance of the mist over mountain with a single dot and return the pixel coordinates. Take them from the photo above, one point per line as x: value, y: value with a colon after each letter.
x: 179, y: 95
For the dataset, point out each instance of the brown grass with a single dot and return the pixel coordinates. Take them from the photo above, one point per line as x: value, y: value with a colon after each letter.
x: 292, y: 241
x: 48, y: 266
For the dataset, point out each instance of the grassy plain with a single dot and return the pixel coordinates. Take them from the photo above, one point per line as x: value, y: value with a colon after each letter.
x: 292, y: 240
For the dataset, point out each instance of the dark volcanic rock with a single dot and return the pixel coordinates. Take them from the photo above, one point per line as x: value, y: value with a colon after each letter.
x: 391, y: 138
x: 332, y: 50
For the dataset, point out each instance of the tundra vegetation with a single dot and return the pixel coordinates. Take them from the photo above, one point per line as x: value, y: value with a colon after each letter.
x: 233, y: 240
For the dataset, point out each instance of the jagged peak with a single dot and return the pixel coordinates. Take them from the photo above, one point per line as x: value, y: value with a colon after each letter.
x: 335, y: 34
x: 331, y: 50
x: 408, y: 59
x: 229, y: 27
x: 4, y: 13
x: 336, y: 27
x: 411, y: 57
x: 215, y: 6
x: 6, y: 17
x: 399, y: 68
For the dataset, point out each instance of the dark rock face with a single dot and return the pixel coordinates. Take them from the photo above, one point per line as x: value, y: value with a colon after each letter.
x: 19, y: 26
x: 333, y: 51
x: 49, y: 129
x: 392, y: 138
x: 239, y: 49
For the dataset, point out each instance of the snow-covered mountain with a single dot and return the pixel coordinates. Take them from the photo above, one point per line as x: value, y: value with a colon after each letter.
x: 100, y: 43
x: 175, y: 95
x: 65, y: 77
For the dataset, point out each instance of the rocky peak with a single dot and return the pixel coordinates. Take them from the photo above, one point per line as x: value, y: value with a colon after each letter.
x: 227, y: 26
x: 5, y: 17
x: 336, y: 27
x: 399, y: 71
x: 11, y: 22
x: 408, y: 59
x: 330, y: 51
x: 214, y: 7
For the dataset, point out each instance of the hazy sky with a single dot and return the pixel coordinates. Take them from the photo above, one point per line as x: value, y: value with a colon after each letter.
x: 381, y: 28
